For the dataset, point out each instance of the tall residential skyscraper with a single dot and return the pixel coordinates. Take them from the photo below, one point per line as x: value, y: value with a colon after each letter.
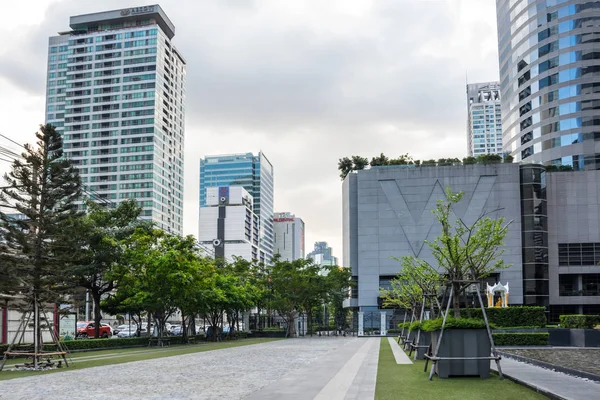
x: 116, y: 91
x: 289, y: 236
x: 484, y: 125
x: 550, y: 80
x: 253, y: 173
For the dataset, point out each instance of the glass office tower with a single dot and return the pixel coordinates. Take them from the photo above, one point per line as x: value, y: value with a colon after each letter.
x: 550, y: 81
x: 255, y: 174
x: 116, y: 92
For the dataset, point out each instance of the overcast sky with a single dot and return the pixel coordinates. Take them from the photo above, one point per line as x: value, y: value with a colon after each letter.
x: 307, y: 82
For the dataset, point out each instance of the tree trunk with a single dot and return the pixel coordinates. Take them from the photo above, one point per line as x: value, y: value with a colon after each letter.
x: 456, y: 299
x: 97, y: 314
x: 183, y: 329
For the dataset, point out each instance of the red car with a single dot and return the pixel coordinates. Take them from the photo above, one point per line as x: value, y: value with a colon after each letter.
x: 86, y: 329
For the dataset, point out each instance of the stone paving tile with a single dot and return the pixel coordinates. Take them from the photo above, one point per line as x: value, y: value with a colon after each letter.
x: 559, y: 385
x: 232, y: 373
x: 587, y: 360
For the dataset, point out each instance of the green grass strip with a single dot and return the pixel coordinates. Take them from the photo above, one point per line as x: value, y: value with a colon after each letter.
x: 410, y: 382
x: 120, y: 356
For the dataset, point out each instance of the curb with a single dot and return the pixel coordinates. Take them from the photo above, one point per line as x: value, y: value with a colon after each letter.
x: 542, y: 364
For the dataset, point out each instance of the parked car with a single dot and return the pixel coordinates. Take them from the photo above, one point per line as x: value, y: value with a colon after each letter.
x: 176, y: 330
x: 85, y: 329
x: 129, y: 332
x: 122, y: 328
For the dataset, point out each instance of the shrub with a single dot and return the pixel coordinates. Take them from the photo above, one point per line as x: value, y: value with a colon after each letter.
x: 90, y: 344
x: 394, y: 331
x: 579, y: 321
x: 453, y: 323
x: 521, y: 339
x: 489, y: 159
x: 469, y: 160
x: 511, y: 316
x: 275, y: 329
x: 414, y: 326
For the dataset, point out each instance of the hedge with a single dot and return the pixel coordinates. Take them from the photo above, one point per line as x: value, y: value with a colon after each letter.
x: 578, y: 321
x: 394, y: 331
x: 453, y: 323
x: 521, y: 339
x: 89, y: 344
x: 510, y: 316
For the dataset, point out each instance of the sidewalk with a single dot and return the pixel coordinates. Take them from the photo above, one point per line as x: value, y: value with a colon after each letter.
x: 349, y: 373
x: 555, y: 385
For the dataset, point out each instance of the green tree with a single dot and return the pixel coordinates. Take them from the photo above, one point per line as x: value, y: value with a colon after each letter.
x: 466, y: 253
x: 43, y: 187
x: 338, y: 287
x: 345, y: 166
x: 381, y: 160
x: 100, y: 243
x: 289, y: 281
x: 469, y: 160
x: 359, y: 163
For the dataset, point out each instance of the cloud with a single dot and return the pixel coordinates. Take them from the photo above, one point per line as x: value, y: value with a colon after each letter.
x: 306, y: 82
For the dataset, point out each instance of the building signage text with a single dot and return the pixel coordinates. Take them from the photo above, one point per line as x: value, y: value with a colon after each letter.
x: 137, y: 10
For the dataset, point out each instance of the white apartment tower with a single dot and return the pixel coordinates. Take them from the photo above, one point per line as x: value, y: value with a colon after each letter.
x: 228, y: 224
x: 288, y: 236
x: 116, y: 91
x: 484, y: 125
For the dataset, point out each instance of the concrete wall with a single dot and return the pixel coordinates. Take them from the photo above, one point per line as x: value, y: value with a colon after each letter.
x: 393, y: 217
x: 573, y: 200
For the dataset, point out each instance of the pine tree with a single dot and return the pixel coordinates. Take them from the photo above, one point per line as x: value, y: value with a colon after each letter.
x: 43, y: 186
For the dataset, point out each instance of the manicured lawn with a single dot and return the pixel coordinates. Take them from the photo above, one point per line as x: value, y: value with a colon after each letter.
x: 119, y: 356
x: 410, y: 382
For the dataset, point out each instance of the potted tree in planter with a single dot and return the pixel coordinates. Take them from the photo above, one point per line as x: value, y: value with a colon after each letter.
x: 403, y: 294
x: 465, y: 253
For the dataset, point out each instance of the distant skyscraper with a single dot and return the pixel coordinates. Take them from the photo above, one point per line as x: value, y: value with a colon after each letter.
x: 550, y: 80
x: 228, y: 224
x: 322, y: 254
x: 116, y: 91
x: 484, y: 126
x: 289, y: 236
x: 253, y: 173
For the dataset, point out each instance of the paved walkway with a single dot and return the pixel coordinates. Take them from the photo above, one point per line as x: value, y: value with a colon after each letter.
x: 294, y: 369
x: 555, y: 385
x: 399, y: 354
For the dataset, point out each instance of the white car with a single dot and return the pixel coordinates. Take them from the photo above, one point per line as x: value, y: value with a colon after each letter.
x: 122, y: 328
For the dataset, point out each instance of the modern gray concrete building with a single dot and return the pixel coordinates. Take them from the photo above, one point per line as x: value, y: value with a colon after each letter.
x: 550, y: 81
x: 552, y: 245
x: 116, y: 92
x: 387, y: 213
x: 574, y: 241
x: 484, y: 121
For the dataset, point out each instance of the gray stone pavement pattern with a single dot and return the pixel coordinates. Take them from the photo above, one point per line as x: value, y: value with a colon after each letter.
x: 561, y: 385
x: 581, y: 359
x: 301, y: 367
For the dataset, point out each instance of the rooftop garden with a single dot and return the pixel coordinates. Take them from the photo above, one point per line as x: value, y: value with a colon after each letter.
x: 356, y: 163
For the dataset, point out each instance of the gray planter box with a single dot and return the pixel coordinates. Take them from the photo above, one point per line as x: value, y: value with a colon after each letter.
x: 463, y: 343
x: 424, y: 340
x: 574, y: 337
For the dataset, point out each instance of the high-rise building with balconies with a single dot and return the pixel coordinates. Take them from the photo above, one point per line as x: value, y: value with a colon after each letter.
x: 484, y: 125
x: 116, y: 92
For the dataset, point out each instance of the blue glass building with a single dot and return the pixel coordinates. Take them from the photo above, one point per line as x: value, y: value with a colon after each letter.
x: 255, y: 174
x: 550, y: 81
